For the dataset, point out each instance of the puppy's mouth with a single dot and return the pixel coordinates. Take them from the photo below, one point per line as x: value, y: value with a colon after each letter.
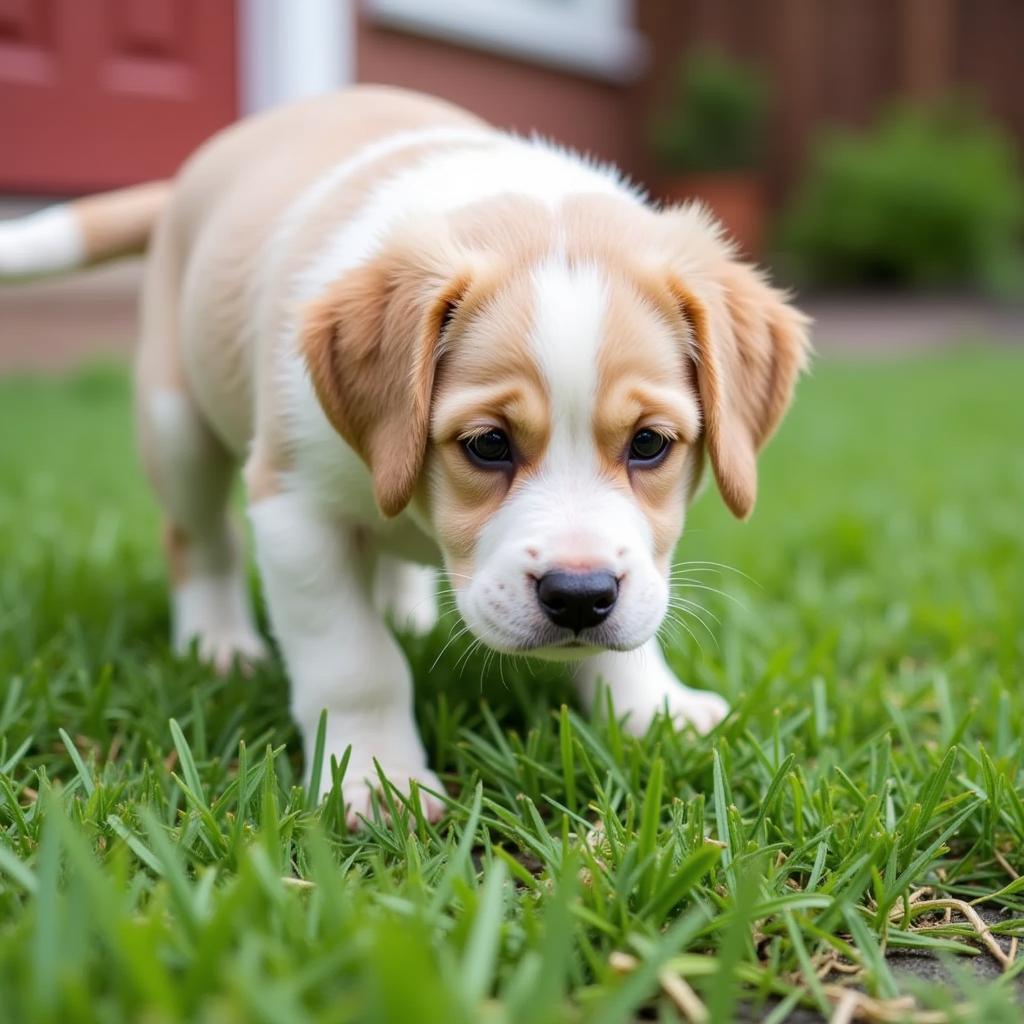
x: 568, y: 650
x: 556, y: 644
x: 566, y: 623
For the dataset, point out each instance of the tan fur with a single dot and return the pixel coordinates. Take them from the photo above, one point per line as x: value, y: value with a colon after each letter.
x: 518, y: 228
x: 262, y: 476
x: 751, y: 346
x: 426, y: 337
x: 335, y: 210
x: 371, y: 337
x: 643, y: 382
x: 209, y: 246
x: 747, y: 343
x: 488, y: 378
x: 213, y: 231
x: 371, y: 343
x: 660, y: 364
x: 119, y: 223
x: 176, y: 551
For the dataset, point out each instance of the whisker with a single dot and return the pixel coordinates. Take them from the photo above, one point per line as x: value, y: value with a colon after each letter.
x: 718, y: 565
x: 681, y: 569
x: 451, y: 639
x: 714, y: 590
x: 676, y: 620
x: 689, y: 611
x: 466, y: 655
x: 690, y: 608
x: 488, y: 657
x: 694, y: 606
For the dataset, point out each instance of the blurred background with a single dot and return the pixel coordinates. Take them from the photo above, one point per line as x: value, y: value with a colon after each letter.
x: 867, y: 150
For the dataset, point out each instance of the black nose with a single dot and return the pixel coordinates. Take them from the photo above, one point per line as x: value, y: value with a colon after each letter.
x: 577, y: 600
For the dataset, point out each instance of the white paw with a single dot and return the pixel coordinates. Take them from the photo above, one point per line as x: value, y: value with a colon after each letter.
x: 408, y: 595
x: 642, y: 686
x: 419, y: 618
x: 699, y: 708
x: 358, y: 789
x: 223, y: 651
x: 213, y: 613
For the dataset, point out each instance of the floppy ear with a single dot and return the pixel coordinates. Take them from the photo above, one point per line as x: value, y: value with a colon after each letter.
x: 749, y: 346
x: 372, y: 342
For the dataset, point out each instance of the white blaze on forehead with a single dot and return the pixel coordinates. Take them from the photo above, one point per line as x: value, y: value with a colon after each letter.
x: 477, y: 164
x: 568, y: 324
x: 567, y: 515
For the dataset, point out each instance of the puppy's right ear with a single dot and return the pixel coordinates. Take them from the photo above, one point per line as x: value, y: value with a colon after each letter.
x: 372, y: 342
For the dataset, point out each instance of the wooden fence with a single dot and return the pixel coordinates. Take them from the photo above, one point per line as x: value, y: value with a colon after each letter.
x: 840, y: 61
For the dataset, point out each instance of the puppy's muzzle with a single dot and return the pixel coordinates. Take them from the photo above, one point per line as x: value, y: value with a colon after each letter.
x: 577, y: 600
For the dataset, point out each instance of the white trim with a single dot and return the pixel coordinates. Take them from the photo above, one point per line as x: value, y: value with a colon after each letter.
x: 290, y: 49
x: 595, y: 37
x: 45, y: 242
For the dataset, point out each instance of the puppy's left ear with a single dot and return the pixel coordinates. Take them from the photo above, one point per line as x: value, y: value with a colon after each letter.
x: 749, y: 346
x: 372, y: 342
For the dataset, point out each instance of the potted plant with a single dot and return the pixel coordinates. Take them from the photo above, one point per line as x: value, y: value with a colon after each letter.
x: 944, y: 172
x: 708, y: 143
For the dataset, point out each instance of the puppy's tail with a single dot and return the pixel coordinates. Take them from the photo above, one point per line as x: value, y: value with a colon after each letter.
x: 81, y: 232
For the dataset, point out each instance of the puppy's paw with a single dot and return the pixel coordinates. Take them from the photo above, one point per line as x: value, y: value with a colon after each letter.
x: 407, y: 594
x: 417, y: 618
x: 699, y: 708
x: 642, y: 686
x: 243, y: 649
x: 212, y: 612
x: 358, y: 790
x: 226, y: 649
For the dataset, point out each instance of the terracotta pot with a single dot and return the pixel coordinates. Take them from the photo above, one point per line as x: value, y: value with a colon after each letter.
x: 735, y: 197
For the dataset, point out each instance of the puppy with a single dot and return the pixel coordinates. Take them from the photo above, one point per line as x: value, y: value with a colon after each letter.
x: 430, y: 343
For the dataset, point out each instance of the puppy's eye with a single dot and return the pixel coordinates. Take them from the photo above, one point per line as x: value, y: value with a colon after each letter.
x: 648, y: 447
x: 490, y: 450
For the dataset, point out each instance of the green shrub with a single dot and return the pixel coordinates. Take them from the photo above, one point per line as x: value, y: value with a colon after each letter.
x: 930, y: 197
x: 715, y: 120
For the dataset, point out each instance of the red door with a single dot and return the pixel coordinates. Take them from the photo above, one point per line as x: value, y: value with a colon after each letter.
x: 100, y: 93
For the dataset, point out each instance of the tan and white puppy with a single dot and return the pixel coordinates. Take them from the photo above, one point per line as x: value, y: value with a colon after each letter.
x: 431, y: 343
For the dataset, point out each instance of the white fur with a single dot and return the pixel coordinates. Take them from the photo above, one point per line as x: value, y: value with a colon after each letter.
x: 340, y: 656
x: 473, y: 166
x: 569, y: 309
x: 641, y: 685
x: 453, y: 178
x: 407, y: 594
x: 320, y: 542
x: 213, y: 610
x: 42, y: 243
x: 211, y: 607
x: 336, y: 179
x: 566, y: 515
x: 325, y: 462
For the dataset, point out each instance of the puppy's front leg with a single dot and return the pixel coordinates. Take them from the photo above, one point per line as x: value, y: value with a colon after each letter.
x: 641, y: 685
x: 339, y: 654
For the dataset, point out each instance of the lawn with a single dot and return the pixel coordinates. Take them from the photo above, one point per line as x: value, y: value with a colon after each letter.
x: 160, y: 861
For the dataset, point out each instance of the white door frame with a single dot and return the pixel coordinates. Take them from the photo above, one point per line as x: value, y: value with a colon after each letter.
x: 289, y: 49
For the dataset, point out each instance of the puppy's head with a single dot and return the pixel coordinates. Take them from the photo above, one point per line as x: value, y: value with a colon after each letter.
x: 544, y: 387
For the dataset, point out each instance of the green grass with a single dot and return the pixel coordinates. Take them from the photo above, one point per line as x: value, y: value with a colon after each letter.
x: 159, y: 860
